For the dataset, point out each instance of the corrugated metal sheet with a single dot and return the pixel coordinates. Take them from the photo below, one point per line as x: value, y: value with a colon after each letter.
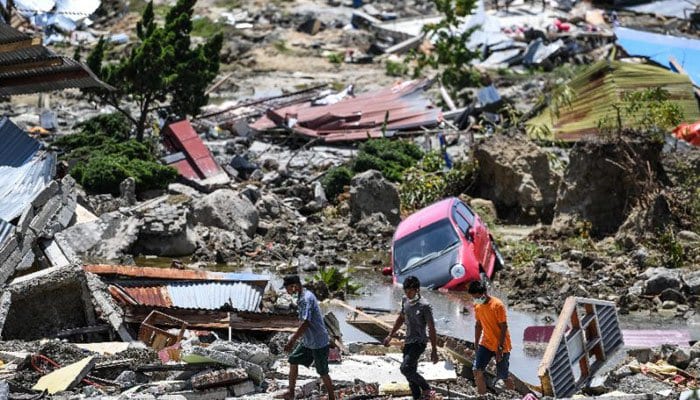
x: 214, y: 295
x: 203, y: 295
x: 19, y: 186
x: 70, y: 74
x: 150, y: 295
x: 403, y: 107
x: 661, y: 47
x: 17, y: 147
x: 668, y: 8
x: 153, y: 273
x: 9, y: 34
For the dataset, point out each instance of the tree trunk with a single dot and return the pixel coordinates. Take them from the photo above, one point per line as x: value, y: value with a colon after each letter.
x: 141, y: 125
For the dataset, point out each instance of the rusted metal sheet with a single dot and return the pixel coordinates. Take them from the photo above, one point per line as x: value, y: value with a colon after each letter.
x: 401, y: 107
x: 174, y: 274
x: 181, y: 136
x: 150, y: 295
x: 586, y: 334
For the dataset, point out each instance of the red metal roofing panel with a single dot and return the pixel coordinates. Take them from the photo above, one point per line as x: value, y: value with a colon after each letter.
x: 185, y: 168
x: 150, y: 296
x: 402, y: 106
x: 201, y: 160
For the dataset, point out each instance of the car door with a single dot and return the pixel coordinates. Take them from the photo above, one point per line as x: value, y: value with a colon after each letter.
x: 481, y: 239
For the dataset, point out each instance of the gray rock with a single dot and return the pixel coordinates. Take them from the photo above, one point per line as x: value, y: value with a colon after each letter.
x: 688, y: 236
x: 515, y: 175
x: 695, y: 351
x: 659, y: 279
x: 370, y: 193
x: 680, y: 358
x: 127, y: 191
x: 692, y: 282
x: 320, y: 194
x: 252, y: 192
x: 672, y: 295
x: 226, y: 209
x: 560, y: 267
x: 108, y: 238
x: 179, y: 188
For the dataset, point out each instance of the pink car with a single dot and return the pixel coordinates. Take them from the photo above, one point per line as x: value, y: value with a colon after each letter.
x: 445, y: 245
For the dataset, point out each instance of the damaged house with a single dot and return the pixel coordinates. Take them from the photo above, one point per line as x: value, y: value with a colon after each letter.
x: 35, y: 203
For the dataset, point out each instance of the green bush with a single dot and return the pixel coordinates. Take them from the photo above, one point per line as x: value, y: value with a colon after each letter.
x: 337, y: 280
x: 390, y: 157
x: 335, y: 180
x: 428, y: 182
x: 103, y: 173
x: 397, y: 69
x: 103, y: 156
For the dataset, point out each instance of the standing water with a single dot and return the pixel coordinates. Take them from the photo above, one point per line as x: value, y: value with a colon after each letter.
x: 454, y: 316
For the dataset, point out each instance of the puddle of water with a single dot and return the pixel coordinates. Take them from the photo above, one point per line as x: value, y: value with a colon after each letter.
x: 450, y: 319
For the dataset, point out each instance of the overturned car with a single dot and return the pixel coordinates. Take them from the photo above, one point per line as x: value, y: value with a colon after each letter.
x: 445, y: 245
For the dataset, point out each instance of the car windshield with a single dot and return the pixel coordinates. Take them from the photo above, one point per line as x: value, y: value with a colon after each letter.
x: 424, y: 244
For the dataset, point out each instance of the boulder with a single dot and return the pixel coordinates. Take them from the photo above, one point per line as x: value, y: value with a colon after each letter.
x: 371, y: 193
x: 108, y: 238
x: 692, y: 282
x: 515, y: 175
x: 226, y: 209
x: 660, y: 279
x: 127, y: 191
x: 603, y: 180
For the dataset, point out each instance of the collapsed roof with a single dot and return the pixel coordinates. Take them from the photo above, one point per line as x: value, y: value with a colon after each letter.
x: 602, y: 84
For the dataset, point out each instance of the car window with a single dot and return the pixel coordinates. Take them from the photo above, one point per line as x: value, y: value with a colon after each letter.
x: 461, y: 222
x: 466, y: 212
x: 425, y: 242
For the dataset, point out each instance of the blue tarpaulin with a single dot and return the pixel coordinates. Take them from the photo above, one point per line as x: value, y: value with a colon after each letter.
x: 660, y: 48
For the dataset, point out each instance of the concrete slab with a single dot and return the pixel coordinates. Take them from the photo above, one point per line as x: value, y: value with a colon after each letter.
x: 82, y: 215
x: 65, y: 378
x: 376, y: 369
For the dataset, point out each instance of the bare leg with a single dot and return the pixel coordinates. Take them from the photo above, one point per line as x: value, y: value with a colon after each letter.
x: 293, y: 373
x: 480, y: 381
x: 328, y: 383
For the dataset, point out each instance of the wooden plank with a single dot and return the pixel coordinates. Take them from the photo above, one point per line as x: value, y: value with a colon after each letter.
x: 65, y: 378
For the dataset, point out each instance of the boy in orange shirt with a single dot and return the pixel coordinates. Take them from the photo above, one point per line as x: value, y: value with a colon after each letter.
x: 492, y: 336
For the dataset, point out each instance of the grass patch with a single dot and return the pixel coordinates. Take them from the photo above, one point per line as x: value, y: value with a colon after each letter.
x: 206, y: 28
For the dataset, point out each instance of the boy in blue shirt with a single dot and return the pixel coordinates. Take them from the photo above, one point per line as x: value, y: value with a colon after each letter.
x: 314, y: 338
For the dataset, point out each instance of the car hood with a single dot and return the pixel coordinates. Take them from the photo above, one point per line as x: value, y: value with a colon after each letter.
x: 435, y: 273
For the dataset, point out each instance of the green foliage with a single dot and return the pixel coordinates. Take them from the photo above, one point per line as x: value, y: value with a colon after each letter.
x: 450, y: 56
x: 335, y: 58
x: 337, y: 280
x: 335, y: 180
x: 102, y: 158
x: 397, y: 69
x: 102, y: 173
x: 161, y: 69
x: 281, y: 46
x: 206, y: 28
x: 391, y: 157
x: 428, y: 182
x: 650, y: 112
x: 672, y: 250
x: 521, y: 252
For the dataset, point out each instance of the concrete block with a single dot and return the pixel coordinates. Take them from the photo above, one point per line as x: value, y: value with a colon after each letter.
x: 25, y: 219
x: 28, y: 241
x: 27, y: 261
x: 49, y: 191
x: 44, y: 215
x: 8, y: 267
x: 7, y: 248
x: 243, y: 388
x: 66, y: 213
